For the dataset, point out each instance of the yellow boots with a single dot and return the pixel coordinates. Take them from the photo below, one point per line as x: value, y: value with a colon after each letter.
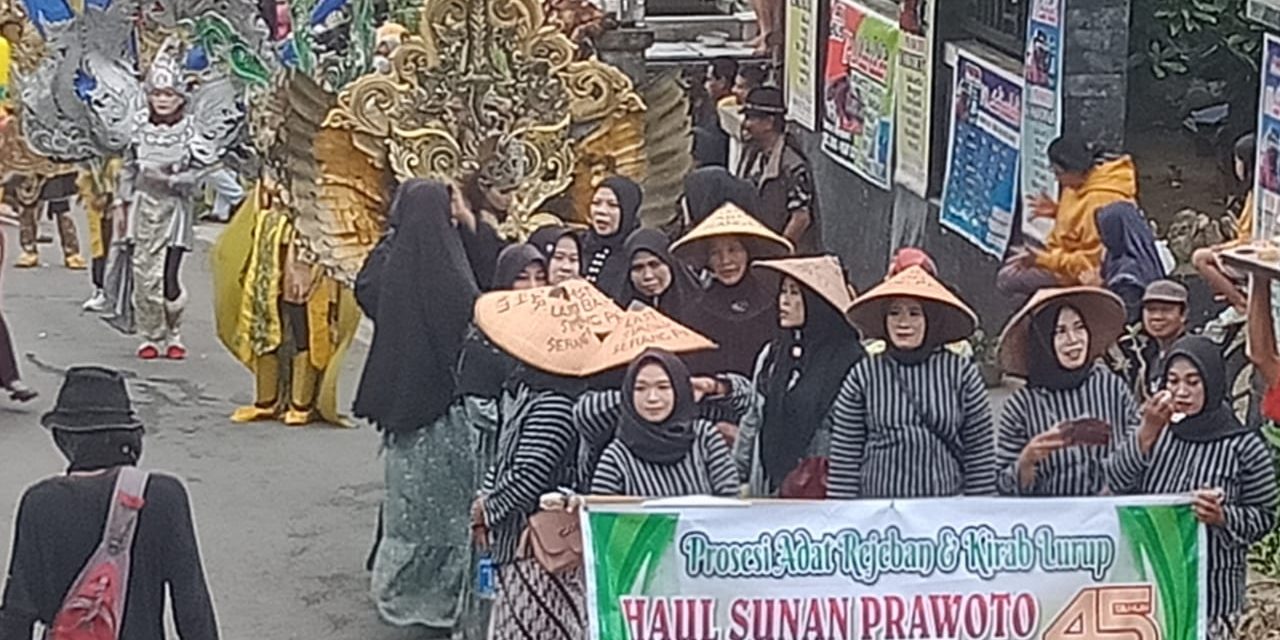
x: 266, y: 405
x: 302, y: 391
x: 267, y: 387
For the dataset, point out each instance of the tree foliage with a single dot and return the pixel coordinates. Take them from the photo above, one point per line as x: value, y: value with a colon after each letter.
x: 1207, y: 38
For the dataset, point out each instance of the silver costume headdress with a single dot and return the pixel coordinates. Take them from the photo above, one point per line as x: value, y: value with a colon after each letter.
x: 167, y: 72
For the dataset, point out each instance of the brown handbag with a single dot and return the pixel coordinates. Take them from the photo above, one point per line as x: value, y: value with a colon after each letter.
x: 808, y: 481
x: 554, y: 539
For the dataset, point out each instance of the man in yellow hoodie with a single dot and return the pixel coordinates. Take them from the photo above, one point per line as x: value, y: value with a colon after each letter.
x: 1072, y: 253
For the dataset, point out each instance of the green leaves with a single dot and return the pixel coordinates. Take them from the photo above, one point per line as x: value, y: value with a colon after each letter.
x: 1191, y: 36
x: 625, y: 545
x: 1163, y: 540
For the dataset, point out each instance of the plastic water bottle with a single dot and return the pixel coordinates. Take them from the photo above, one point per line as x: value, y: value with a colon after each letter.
x: 486, y: 577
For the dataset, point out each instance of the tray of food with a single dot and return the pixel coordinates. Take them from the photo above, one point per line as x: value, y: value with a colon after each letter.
x: 1258, y: 257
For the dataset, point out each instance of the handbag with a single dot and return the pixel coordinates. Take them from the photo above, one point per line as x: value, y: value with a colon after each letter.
x: 554, y: 539
x: 808, y: 481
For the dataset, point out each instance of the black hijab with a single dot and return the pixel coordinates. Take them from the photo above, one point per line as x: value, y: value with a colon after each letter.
x: 740, y: 318
x: 482, y: 366
x: 683, y: 291
x: 546, y: 238
x: 816, y: 356
x: 602, y: 261
x: 667, y: 442
x: 709, y: 188
x: 928, y: 346
x: 1043, y: 368
x: 512, y: 261
x: 1129, y: 259
x: 424, y: 306
x: 1216, y: 420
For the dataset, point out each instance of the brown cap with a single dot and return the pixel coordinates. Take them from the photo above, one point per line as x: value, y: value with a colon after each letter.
x: 948, y: 317
x: 1165, y: 291
x: 1102, y: 310
x: 824, y: 275
x: 731, y: 220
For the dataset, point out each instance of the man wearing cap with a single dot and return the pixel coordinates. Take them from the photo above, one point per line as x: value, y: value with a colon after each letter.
x: 61, y: 520
x: 779, y: 172
x: 1136, y: 357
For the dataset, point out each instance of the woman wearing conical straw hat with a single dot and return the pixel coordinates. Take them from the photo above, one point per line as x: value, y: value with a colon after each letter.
x: 785, y: 433
x: 1057, y: 432
x: 914, y: 422
x: 737, y: 311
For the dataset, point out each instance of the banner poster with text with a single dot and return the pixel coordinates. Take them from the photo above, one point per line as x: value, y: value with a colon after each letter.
x: 1042, y: 115
x: 979, y: 195
x: 858, y: 91
x: 915, y: 96
x: 802, y: 62
x: 1266, y: 188
x: 1048, y: 569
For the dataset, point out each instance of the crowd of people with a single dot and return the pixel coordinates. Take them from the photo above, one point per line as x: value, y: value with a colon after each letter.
x: 479, y: 440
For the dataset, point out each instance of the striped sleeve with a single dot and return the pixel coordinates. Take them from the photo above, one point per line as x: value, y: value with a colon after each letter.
x: 1013, y: 440
x: 720, y: 467
x: 542, y: 444
x: 1252, y: 515
x: 848, y: 435
x: 745, y: 395
x: 1128, y: 464
x: 608, y: 478
x: 596, y: 416
x: 977, y: 435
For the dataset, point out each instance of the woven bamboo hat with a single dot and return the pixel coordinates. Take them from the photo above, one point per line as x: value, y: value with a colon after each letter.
x: 949, y: 318
x: 557, y: 329
x: 643, y: 327
x: 731, y: 220
x: 824, y: 275
x: 1103, y: 313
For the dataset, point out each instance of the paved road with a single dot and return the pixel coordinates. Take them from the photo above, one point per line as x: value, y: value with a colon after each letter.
x: 285, y: 516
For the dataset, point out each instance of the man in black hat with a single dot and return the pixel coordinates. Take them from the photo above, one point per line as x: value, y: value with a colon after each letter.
x: 61, y: 520
x: 779, y: 172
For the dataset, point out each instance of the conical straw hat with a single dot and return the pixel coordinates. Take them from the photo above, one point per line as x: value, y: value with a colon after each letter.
x: 1103, y: 313
x: 824, y: 275
x: 731, y: 220
x: 557, y: 329
x: 643, y: 327
x: 948, y: 317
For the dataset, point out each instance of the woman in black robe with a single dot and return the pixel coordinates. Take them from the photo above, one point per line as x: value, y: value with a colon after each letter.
x: 615, y: 213
x: 656, y: 278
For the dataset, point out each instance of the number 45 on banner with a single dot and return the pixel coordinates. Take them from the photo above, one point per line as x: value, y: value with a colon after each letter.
x: 1107, y: 613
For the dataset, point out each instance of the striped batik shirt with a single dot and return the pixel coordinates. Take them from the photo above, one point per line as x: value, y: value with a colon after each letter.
x: 1241, y: 466
x: 882, y: 446
x: 707, y: 470
x: 1073, y: 471
x: 596, y: 415
x: 537, y: 454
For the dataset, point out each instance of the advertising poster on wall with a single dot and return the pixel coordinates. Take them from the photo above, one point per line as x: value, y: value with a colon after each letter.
x: 858, y: 91
x: 801, y: 62
x: 915, y: 96
x: 1266, y: 188
x: 1052, y: 569
x: 979, y: 196
x: 1042, y: 117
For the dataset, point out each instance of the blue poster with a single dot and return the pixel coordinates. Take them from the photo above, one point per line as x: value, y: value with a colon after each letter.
x: 1042, y: 118
x: 1266, y: 188
x: 979, y: 197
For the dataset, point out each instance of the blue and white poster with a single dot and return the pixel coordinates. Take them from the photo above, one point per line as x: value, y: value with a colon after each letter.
x: 1266, y: 188
x: 1042, y: 118
x: 979, y: 197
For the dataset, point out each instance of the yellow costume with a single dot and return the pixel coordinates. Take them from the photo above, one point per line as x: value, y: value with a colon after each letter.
x: 1074, y: 246
x: 257, y: 276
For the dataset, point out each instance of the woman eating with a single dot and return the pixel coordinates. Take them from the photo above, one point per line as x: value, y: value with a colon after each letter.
x: 662, y: 448
x: 1190, y: 442
x: 797, y: 376
x: 562, y: 249
x: 915, y: 422
x: 656, y: 278
x: 737, y: 310
x: 1057, y: 432
x: 615, y: 213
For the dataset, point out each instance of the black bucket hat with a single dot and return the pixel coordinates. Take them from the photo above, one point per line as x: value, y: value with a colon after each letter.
x: 92, y: 399
x: 765, y: 101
